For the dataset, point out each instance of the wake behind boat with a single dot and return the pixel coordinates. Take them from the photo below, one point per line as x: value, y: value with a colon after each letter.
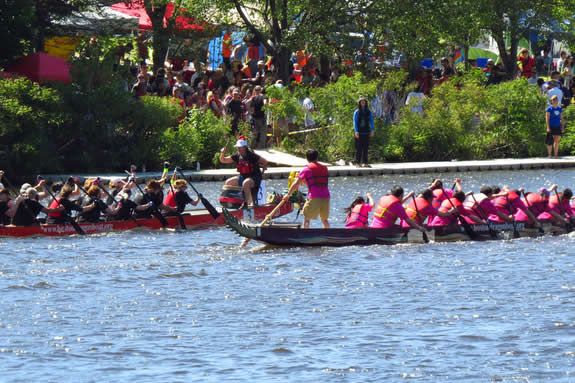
x: 294, y: 235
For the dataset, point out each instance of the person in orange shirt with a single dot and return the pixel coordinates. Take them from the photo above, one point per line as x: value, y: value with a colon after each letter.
x: 227, y: 49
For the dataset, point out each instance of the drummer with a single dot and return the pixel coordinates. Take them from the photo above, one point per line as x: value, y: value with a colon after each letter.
x: 250, y: 166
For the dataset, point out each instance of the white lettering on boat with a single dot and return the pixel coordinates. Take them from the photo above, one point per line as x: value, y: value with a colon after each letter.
x: 69, y: 229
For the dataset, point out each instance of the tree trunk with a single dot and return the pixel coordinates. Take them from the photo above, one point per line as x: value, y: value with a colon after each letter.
x: 160, y: 44
x: 508, y: 58
x: 282, y: 60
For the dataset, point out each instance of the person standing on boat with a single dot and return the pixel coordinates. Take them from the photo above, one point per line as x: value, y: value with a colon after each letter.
x: 390, y: 208
x: 358, y: 212
x: 250, y: 166
x: 364, y: 129
x: 316, y: 177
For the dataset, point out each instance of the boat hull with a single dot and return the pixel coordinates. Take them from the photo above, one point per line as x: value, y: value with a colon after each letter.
x: 193, y: 219
x: 294, y: 235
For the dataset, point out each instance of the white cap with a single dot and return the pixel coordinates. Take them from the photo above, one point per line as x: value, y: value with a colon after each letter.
x: 241, y: 144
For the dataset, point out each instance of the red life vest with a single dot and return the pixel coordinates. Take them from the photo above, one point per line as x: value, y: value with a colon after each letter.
x: 245, y: 167
x: 54, y: 205
x: 536, y: 203
x: 414, y: 209
x: 448, y: 204
x: 356, y: 215
x: 438, y: 198
x: 170, y: 199
x: 384, y: 205
x: 227, y: 46
x: 319, y: 175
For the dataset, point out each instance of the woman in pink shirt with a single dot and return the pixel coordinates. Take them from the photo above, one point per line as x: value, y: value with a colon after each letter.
x: 390, y: 209
x: 358, y: 212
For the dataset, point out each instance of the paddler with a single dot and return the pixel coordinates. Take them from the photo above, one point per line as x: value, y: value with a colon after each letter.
x: 178, y: 198
x: 5, y: 204
x: 390, y: 208
x: 560, y: 203
x: 421, y: 208
x: 483, y: 207
x: 126, y: 207
x: 510, y: 202
x: 357, y: 214
x: 62, y: 206
x: 153, y: 200
x: 96, y: 207
x: 316, y: 177
x: 250, y: 166
x: 27, y: 208
x: 456, y: 202
x: 538, y: 204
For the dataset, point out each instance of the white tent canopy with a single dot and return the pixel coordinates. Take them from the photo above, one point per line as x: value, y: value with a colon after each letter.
x: 103, y: 20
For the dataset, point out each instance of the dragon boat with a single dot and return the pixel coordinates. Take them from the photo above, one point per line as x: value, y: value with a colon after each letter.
x: 293, y: 235
x: 193, y: 219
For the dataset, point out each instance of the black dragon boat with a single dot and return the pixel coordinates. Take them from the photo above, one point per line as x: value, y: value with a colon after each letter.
x: 280, y: 234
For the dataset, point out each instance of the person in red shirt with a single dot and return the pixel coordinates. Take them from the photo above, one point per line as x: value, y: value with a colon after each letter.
x: 526, y: 64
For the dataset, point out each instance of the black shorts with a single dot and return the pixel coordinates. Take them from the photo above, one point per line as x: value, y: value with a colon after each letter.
x: 556, y: 131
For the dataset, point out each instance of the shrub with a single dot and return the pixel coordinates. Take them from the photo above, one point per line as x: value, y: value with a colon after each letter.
x: 198, y: 138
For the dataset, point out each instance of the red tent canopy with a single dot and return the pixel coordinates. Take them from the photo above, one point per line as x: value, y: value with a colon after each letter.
x: 137, y: 9
x: 41, y: 67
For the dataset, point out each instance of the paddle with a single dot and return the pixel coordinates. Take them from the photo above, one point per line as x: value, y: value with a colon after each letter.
x: 209, y: 207
x: 66, y: 216
x: 568, y: 224
x: 484, y: 215
x: 510, y: 211
x: 425, y: 237
x: 180, y: 218
x: 266, y: 219
x: 466, y: 226
x: 540, y: 229
x: 155, y: 211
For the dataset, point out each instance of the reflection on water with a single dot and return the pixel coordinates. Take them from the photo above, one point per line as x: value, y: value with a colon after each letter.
x: 174, y: 307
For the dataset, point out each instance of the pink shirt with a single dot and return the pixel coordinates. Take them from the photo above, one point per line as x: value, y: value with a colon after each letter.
x: 352, y: 223
x: 395, y: 210
x: 428, y: 211
x: 314, y: 191
x: 503, y: 205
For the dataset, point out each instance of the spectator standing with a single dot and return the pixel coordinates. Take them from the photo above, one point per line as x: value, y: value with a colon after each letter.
x: 415, y: 102
x: 235, y: 110
x: 140, y: 88
x: 214, y: 104
x: 553, y: 90
x: 259, y: 126
x: 227, y: 47
x: 561, y: 61
x: 554, y: 120
x: 309, y: 109
x: 363, y: 130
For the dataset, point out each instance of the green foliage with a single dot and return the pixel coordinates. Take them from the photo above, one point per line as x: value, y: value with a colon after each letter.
x: 466, y: 120
x: 30, y: 116
x: 283, y: 103
x: 16, y: 19
x: 567, y: 145
x: 198, y: 138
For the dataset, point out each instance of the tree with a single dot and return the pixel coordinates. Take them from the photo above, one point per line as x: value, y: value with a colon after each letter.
x: 283, y: 26
x: 16, y: 19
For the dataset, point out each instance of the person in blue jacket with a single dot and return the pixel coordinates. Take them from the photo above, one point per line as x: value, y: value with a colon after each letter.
x: 364, y: 130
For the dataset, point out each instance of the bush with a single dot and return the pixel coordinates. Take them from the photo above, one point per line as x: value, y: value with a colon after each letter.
x: 198, y: 138
x: 30, y: 116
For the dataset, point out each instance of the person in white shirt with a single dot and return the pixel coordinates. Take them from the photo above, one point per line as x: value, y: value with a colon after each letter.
x: 309, y: 109
x: 554, y: 90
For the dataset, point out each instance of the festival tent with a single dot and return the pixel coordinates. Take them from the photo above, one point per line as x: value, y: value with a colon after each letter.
x: 103, y: 20
x: 41, y: 67
x: 183, y: 23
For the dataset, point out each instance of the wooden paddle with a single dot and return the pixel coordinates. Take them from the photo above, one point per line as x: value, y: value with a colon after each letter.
x: 425, y: 237
x: 66, y: 216
x: 155, y: 211
x: 466, y: 226
x: 209, y: 207
x: 266, y: 219
x: 484, y: 215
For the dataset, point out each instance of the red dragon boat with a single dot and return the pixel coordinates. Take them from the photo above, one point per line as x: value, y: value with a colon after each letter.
x: 193, y: 219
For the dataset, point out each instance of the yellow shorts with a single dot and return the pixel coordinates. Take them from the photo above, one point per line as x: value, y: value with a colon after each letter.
x: 315, y: 207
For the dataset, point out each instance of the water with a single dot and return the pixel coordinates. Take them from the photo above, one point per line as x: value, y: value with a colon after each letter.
x: 183, y: 307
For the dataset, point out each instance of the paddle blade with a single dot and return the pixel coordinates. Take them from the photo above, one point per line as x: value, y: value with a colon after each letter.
x: 76, y: 227
x: 210, y: 208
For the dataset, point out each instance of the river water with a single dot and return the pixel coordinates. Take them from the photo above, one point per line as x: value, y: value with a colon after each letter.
x: 183, y: 307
